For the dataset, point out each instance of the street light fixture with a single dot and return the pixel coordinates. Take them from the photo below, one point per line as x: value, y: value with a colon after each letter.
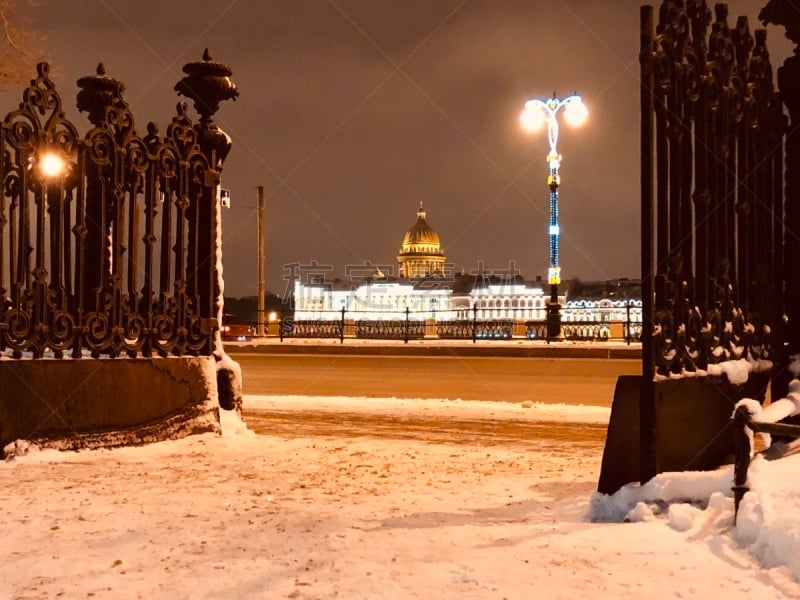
x: 536, y: 114
x: 51, y: 165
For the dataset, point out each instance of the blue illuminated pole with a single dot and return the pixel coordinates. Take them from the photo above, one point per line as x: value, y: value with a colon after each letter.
x: 538, y: 112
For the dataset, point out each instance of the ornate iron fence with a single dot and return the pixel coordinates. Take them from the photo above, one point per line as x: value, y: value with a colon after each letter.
x: 536, y: 330
x: 714, y: 221
x: 108, y: 242
x: 456, y: 330
x: 390, y: 330
x: 311, y: 329
x: 497, y: 329
x: 413, y: 325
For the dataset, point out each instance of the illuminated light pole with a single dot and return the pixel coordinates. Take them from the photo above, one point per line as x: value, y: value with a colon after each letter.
x: 537, y: 113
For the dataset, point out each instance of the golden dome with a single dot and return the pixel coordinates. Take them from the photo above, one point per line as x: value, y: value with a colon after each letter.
x: 421, y: 254
x: 420, y: 232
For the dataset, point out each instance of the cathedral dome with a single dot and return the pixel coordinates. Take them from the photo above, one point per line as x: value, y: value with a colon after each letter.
x: 420, y: 233
x: 421, y: 253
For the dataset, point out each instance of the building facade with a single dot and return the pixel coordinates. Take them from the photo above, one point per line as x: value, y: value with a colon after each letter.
x: 425, y: 293
x: 421, y: 253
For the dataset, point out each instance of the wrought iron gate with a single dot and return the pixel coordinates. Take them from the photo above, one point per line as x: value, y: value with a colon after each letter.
x: 714, y: 221
x: 108, y: 242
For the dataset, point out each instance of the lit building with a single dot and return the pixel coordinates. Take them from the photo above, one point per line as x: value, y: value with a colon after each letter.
x: 377, y: 299
x: 421, y: 253
x: 443, y: 304
x: 602, y: 310
x: 488, y: 297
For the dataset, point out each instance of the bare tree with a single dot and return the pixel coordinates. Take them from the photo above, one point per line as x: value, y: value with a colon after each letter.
x: 21, y: 46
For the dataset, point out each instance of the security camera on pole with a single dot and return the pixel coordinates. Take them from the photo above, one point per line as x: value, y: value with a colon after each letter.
x: 537, y: 113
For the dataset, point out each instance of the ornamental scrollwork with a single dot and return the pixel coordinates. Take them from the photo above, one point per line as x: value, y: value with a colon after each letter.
x: 716, y: 142
x: 94, y: 258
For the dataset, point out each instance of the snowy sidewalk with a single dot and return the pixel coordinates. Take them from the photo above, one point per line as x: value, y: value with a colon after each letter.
x: 246, y: 516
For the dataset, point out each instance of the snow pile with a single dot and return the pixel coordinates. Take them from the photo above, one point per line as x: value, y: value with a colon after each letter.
x: 737, y: 371
x: 700, y: 505
x: 662, y: 490
x: 233, y: 425
x: 768, y: 523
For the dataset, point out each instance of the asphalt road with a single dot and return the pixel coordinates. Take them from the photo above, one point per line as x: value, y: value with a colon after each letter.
x: 568, y: 381
x: 454, y: 430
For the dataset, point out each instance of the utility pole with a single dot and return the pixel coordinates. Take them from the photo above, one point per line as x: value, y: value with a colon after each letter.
x: 260, y: 330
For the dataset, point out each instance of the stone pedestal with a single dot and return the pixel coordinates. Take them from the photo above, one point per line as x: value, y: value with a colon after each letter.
x: 72, y: 404
x: 693, y: 426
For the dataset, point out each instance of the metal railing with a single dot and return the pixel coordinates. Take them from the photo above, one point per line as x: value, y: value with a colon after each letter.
x: 718, y: 248
x: 407, y: 325
x: 108, y: 242
x: 742, y: 420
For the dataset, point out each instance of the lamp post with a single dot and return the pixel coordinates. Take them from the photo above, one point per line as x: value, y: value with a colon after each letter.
x: 537, y: 113
x: 260, y: 327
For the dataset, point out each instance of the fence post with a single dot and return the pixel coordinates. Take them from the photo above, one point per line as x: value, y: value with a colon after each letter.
x: 341, y: 331
x: 628, y: 322
x: 647, y: 402
x: 207, y: 83
x: 474, y: 322
x: 405, y: 337
x: 547, y: 333
x: 741, y: 444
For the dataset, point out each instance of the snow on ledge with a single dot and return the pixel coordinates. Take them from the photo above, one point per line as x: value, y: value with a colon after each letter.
x: 737, y: 371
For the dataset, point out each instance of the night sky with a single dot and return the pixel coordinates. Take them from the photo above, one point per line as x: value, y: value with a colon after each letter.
x: 353, y: 111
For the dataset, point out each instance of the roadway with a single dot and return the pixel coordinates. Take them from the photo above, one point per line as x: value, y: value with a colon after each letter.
x: 587, y: 381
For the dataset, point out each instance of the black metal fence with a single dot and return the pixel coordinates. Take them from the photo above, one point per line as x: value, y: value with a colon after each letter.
x: 391, y: 329
x: 719, y: 238
x: 409, y: 325
x: 712, y: 125
x: 108, y: 242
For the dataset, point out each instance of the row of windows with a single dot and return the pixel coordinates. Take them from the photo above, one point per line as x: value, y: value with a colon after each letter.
x: 465, y: 314
x: 514, y: 303
x: 416, y: 248
x: 604, y: 303
x: 577, y: 315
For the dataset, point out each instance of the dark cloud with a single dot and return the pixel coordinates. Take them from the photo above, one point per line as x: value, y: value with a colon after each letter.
x: 353, y: 111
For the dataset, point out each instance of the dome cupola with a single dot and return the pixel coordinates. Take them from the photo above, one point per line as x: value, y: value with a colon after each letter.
x: 421, y: 252
x: 420, y: 232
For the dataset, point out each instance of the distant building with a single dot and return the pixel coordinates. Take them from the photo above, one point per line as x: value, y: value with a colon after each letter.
x: 592, y: 307
x: 376, y: 299
x: 461, y: 297
x: 494, y: 297
x: 421, y: 253
x: 425, y: 292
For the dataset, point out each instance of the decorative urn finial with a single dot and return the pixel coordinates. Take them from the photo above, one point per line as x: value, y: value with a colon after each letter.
x: 787, y: 14
x: 783, y: 12
x: 207, y: 83
x: 97, y: 93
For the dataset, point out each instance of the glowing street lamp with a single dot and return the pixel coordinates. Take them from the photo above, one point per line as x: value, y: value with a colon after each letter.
x: 536, y: 114
x: 51, y: 165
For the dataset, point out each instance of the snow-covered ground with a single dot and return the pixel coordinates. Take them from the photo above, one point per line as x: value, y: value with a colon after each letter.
x: 295, y: 516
